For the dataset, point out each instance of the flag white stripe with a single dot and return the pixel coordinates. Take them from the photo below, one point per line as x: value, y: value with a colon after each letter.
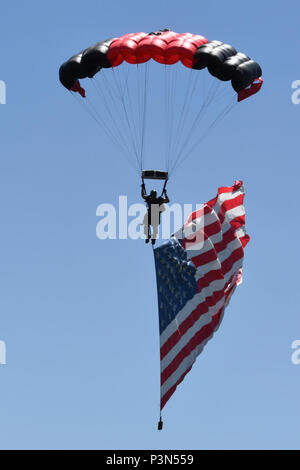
x: 215, y: 238
x: 193, y: 303
x: 185, y: 339
x: 186, y: 363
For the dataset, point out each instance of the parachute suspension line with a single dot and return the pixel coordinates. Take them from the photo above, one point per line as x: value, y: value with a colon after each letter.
x: 124, y: 119
x: 166, y: 112
x: 222, y: 92
x: 203, y: 86
x: 103, y: 123
x: 191, y: 85
x: 92, y: 112
x: 127, y: 118
x: 182, y: 147
x: 199, y: 116
x: 128, y: 103
x: 111, y: 85
x: 89, y: 108
x: 144, y: 112
x: 132, y: 115
x: 119, y: 86
x: 221, y: 116
x: 171, y: 109
x: 117, y: 128
x: 181, y: 120
x: 139, y: 106
x: 116, y: 94
x: 168, y: 72
x: 141, y: 112
x: 212, y: 92
x: 187, y: 129
x: 171, y: 73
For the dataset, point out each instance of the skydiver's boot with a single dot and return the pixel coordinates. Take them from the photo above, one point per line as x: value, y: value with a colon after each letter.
x: 148, y: 236
x: 147, y: 232
x: 154, y: 234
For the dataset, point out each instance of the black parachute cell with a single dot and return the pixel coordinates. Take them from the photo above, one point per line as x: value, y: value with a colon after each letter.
x: 203, y: 53
x: 230, y: 65
x: 216, y: 59
x: 85, y: 64
x: 70, y: 71
x: 95, y: 58
x: 225, y: 63
x: 245, y: 74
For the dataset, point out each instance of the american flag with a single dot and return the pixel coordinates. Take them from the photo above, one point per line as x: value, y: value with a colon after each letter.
x: 197, y: 273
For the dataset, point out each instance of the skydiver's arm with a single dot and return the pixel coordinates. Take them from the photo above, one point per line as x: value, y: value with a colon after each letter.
x: 143, y: 193
x: 166, y: 199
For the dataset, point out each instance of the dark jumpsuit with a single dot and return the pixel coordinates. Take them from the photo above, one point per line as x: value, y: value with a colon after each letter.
x: 154, y: 209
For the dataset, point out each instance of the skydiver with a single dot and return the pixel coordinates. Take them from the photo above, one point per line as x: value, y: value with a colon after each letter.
x: 155, y: 205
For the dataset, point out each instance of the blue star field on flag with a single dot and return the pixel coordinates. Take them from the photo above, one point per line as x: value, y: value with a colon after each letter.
x: 176, y: 282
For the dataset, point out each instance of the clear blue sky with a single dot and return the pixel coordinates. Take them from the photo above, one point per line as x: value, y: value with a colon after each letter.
x: 79, y: 315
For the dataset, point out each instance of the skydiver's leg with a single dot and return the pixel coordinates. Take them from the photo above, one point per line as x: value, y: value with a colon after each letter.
x: 155, y: 218
x: 154, y: 233
x: 147, y: 227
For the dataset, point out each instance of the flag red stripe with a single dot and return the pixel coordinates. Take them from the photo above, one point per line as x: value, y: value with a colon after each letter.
x: 170, y: 392
x: 195, y: 341
x: 204, y: 306
x: 244, y: 240
x: 214, y: 229
x: 200, y: 310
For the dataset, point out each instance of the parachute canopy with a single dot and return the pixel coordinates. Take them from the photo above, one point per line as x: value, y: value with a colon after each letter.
x: 166, y: 47
x: 186, y: 83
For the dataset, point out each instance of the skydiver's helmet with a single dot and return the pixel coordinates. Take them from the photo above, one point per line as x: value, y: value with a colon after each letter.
x: 153, y: 194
